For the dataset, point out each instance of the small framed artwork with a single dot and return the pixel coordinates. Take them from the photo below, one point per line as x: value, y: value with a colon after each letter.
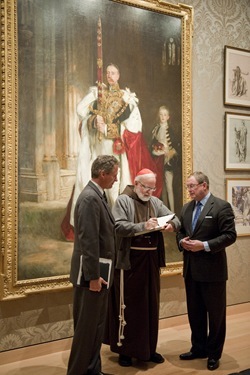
x: 238, y: 195
x: 237, y: 141
x: 236, y: 77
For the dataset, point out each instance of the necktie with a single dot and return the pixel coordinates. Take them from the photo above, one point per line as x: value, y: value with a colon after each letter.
x: 197, y: 214
x: 105, y: 197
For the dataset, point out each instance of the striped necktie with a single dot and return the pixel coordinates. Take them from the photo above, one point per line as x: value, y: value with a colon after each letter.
x: 197, y: 214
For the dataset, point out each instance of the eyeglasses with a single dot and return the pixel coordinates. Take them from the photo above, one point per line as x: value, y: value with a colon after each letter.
x: 148, y: 188
x: 193, y: 186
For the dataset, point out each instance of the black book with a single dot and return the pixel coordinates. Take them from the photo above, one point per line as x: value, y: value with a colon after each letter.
x: 105, y: 272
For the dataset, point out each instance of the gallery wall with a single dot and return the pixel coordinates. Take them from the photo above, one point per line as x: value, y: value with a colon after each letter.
x: 216, y: 24
x: 45, y: 317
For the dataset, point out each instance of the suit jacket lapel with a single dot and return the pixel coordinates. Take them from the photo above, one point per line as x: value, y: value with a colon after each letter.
x: 189, y: 216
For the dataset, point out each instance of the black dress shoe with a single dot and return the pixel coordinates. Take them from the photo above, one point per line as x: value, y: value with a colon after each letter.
x: 190, y: 355
x: 125, y: 360
x: 213, y: 364
x: 156, y: 358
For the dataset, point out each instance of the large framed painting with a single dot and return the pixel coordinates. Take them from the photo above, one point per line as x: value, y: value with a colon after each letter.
x: 238, y: 194
x: 54, y: 75
x: 237, y: 141
x: 236, y: 77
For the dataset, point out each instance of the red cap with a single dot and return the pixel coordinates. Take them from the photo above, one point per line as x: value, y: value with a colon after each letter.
x: 144, y: 171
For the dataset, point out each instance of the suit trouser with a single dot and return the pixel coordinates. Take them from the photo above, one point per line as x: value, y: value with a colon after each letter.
x: 89, y: 312
x: 206, y: 304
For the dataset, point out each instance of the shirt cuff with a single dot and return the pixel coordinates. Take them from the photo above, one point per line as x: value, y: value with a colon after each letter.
x: 206, y: 246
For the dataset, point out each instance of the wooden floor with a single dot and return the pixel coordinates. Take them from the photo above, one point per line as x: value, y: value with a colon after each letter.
x: 174, y: 338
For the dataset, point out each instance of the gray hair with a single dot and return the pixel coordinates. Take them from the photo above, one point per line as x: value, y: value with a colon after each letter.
x: 104, y: 163
x: 200, y: 177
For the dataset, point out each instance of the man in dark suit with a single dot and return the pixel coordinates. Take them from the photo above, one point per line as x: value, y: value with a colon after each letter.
x: 205, y: 267
x: 94, y: 239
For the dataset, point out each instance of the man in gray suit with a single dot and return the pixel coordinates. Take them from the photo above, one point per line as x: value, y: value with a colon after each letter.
x: 94, y: 239
x: 207, y: 228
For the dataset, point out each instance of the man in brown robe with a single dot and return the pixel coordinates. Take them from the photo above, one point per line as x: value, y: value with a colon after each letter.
x: 132, y: 329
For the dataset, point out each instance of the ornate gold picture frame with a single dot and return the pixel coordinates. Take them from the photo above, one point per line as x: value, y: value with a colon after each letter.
x: 48, y: 61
